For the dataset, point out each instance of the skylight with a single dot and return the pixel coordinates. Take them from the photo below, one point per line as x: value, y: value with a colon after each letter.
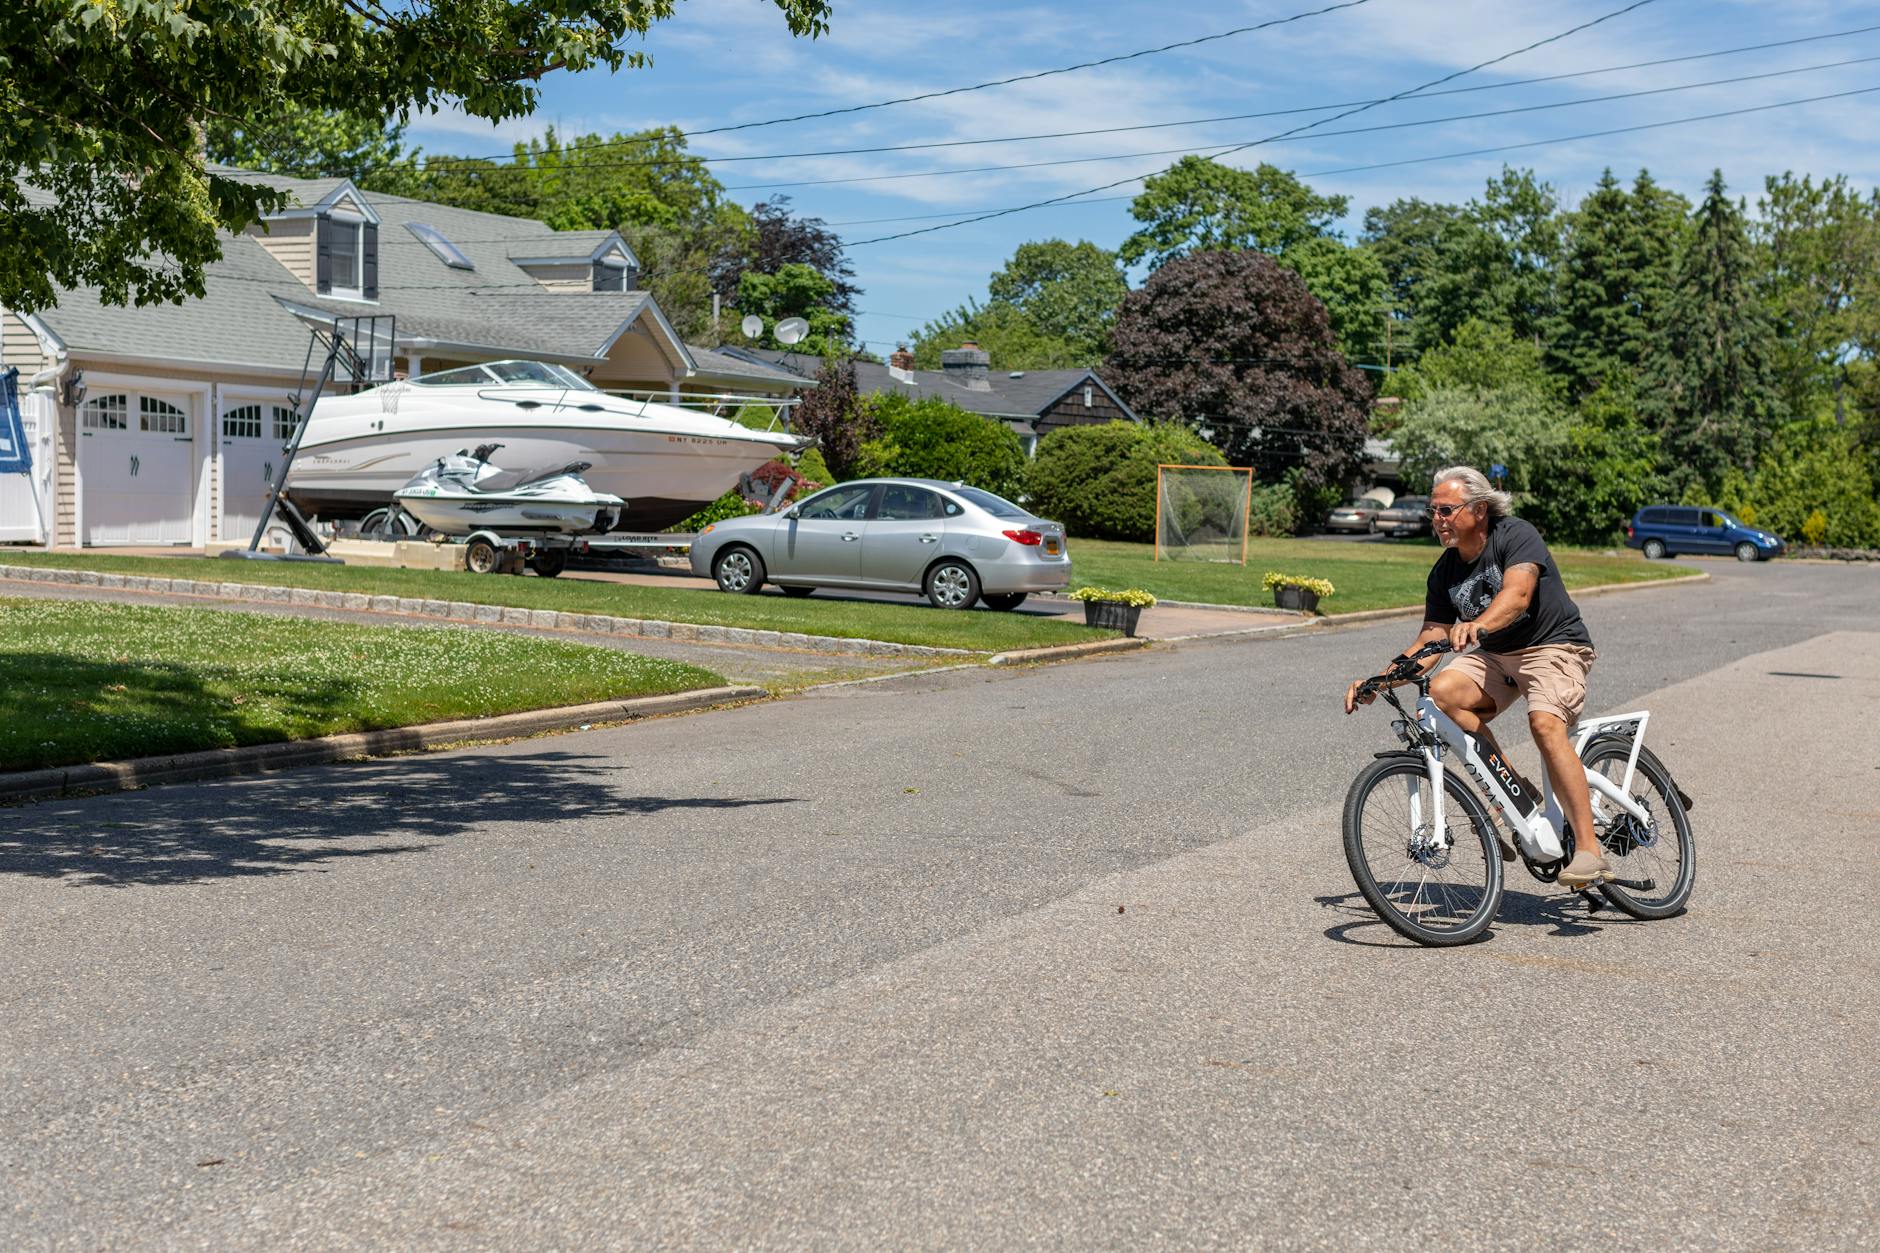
x: 450, y: 254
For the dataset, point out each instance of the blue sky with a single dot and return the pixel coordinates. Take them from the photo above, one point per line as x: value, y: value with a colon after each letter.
x: 728, y: 61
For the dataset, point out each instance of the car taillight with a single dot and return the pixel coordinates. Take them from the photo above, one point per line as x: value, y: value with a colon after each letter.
x: 1629, y: 532
x: 1028, y: 538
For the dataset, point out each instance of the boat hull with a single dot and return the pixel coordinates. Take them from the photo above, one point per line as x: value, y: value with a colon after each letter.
x: 663, y: 476
x: 461, y: 515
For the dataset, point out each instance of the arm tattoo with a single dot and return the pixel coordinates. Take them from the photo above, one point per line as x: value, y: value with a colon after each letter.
x: 1532, y: 566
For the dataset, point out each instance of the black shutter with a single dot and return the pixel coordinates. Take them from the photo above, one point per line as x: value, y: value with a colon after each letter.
x: 323, y: 256
x: 370, y: 262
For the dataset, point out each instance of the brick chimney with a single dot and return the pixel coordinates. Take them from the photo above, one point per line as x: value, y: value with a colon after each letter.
x: 900, y: 358
x: 968, y: 366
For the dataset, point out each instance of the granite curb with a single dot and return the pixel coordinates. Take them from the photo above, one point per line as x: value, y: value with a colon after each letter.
x: 222, y: 763
x: 468, y: 612
x: 1065, y: 652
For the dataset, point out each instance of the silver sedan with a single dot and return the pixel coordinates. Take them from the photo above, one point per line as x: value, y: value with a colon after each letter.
x: 954, y: 544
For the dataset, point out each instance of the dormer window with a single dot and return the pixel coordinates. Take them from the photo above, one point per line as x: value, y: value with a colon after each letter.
x: 347, y: 256
x: 610, y: 276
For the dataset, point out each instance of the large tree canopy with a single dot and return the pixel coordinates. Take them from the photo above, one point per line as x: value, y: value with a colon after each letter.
x: 1050, y: 309
x: 1232, y: 343
x: 102, y: 182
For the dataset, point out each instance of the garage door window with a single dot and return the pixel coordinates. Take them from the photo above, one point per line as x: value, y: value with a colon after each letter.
x: 242, y: 423
x: 107, y: 413
x: 161, y: 417
x: 283, y: 423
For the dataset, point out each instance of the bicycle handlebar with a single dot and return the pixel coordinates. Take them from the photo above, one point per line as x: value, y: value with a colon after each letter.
x: 1404, y: 666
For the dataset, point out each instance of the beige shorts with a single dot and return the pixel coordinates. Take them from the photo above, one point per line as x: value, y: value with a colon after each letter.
x: 1551, y: 676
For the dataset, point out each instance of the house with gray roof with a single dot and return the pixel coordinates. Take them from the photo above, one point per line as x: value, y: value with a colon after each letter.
x: 161, y: 425
x: 1032, y: 402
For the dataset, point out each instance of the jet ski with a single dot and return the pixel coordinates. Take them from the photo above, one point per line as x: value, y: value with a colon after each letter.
x: 465, y: 492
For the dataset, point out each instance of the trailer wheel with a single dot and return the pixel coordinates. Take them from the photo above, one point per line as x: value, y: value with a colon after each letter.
x: 549, y: 562
x: 480, y: 557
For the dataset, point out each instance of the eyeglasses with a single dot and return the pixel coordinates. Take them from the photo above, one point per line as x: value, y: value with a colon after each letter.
x: 1443, y: 511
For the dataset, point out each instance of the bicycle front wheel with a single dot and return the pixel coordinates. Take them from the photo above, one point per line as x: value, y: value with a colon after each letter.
x: 1437, y: 887
x: 1660, y: 851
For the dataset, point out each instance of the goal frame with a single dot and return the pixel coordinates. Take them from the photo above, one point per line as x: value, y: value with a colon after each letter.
x: 1246, y: 503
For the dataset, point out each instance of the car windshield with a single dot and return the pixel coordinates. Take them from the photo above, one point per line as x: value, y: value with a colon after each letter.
x: 997, y: 506
x: 494, y: 372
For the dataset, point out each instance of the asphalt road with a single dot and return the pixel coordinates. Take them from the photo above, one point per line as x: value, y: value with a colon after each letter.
x: 1058, y: 957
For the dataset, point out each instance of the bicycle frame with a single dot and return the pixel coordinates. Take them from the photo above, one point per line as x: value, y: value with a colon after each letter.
x: 1537, y: 823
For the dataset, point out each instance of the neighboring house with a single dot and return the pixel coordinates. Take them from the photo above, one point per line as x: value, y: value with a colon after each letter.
x: 162, y: 425
x: 1032, y: 402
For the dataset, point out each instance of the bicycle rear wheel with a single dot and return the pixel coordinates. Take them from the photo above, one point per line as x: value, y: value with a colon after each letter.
x: 1661, y: 850
x: 1437, y: 888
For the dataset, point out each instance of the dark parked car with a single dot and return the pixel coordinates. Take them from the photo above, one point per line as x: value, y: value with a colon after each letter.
x: 1407, y: 515
x: 1667, y: 530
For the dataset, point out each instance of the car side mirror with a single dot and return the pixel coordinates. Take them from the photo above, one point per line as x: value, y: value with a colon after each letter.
x: 793, y: 513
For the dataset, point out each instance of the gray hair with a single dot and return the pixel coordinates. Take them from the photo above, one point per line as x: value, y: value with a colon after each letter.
x: 1476, y: 490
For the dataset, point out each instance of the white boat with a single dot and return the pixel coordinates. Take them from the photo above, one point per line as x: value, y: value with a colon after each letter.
x: 465, y: 493
x: 665, y: 461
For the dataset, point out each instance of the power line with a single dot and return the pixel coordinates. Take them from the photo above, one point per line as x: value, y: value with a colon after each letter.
x: 1410, y: 91
x: 1356, y: 130
x: 1444, y: 156
x: 1018, y: 78
x: 656, y: 162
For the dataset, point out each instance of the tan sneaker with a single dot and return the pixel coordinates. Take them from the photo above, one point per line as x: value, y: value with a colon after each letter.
x: 1507, y: 849
x: 1585, y: 870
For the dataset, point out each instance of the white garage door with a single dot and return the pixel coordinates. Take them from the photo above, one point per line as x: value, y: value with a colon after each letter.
x: 26, y: 500
x: 137, y: 464
x: 252, y: 437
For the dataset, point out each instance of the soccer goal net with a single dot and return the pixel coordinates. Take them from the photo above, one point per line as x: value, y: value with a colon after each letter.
x: 1201, y: 513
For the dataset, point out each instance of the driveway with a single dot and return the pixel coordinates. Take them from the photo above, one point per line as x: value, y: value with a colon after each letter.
x: 973, y: 958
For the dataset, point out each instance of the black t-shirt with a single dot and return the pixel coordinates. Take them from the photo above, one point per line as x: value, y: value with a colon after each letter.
x: 1461, y: 590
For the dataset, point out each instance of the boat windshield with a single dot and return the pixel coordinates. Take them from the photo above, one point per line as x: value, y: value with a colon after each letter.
x: 535, y: 373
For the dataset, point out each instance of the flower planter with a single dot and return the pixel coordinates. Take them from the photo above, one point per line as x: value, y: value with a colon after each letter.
x: 1288, y: 597
x: 1113, y: 614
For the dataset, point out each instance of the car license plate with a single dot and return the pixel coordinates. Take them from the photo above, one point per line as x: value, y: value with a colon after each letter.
x: 1051, y: 545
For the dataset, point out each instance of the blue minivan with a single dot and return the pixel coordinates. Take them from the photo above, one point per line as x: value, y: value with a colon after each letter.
x: 1667, y: 530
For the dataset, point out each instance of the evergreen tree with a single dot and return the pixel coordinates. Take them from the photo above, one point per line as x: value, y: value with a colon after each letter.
x: 1620, y: 258
x: 1708, y: 380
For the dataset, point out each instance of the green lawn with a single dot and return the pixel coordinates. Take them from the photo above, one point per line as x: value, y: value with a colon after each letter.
x: 1367, y: 575
x: 89, y: 681
x: 909, y: 623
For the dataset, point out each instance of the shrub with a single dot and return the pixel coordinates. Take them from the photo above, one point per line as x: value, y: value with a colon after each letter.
x: 810, y: 465
x: 1099, y: 479
x: 729, y: 505
x: 1127, y: 596
x: 1322, y: 587
x: 931, y: 439
x: 1274, y: 510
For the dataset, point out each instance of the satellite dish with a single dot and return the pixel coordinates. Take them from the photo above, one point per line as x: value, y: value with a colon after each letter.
x: 752, y: 326
x: 790, y: 330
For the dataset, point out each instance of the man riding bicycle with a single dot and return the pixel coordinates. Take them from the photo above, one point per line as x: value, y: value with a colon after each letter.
x: 1497, y: 586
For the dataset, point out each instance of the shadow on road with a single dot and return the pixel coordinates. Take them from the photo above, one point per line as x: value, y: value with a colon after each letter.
x: 315, y: 819
x: 1565, y: 913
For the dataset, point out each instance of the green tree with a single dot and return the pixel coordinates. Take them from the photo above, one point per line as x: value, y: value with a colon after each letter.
x: 101, y: 179
x: 1199, y: 205
x: 1007, y: 334
x: 1618, y: 265
x: 1406, y: 237
x: 1518, y: 427
x: 1496, y: 261
x: 1818, y: 247
x: 931, y: 439
x: 1099, y: 479
x: 1814, y: 465
x: 795, y: 291
x: 837, y: 415
x: 1707, y: 381
x: 1068, y: 291
x: 1484, y: 356
x: 1606, y: 471
x: 301, y: 142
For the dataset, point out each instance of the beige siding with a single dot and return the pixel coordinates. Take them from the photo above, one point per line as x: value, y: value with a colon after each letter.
x: 291, y: 243
x: 563, y: 277
x: 19, y: 346
x: 65, y: 476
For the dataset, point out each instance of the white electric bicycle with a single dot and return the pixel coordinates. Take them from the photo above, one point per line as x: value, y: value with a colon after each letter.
x: 1422, y: 846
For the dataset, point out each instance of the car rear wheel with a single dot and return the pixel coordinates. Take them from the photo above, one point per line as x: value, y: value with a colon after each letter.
x: 1654, y: 550
x: 1004, y: 602
x: 1746, y: 551
x: 952, y: 584
x: 738, y: 570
